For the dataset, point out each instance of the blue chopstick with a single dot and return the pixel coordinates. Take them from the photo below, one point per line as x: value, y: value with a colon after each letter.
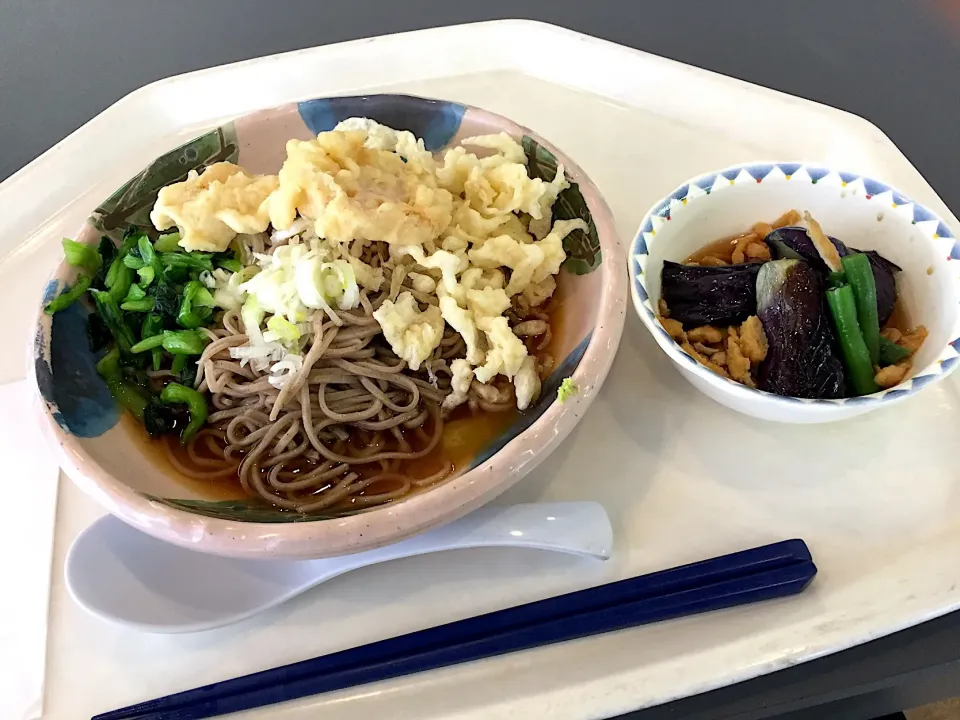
x: 665, y: 581
x: 776, y: 570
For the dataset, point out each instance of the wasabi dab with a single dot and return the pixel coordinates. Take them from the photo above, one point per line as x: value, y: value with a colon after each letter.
x: 568, y: 388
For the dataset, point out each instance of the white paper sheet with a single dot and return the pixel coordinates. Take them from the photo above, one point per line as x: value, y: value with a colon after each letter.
x: 26, y: 554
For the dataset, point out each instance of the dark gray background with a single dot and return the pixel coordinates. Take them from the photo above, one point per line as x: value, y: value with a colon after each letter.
x: 891, y: 61
x: 894, y: 62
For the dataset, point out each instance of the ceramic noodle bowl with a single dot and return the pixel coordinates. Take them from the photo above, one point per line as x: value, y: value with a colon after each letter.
x: 109, y: 456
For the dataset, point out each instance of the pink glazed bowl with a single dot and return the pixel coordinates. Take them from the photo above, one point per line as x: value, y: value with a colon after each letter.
x: 104, y: 453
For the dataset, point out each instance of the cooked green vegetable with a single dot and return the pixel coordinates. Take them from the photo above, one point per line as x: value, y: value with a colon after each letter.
x: 145, y: 248
x: 160, y: 419
x: 126, y: 394
x: 110, y: 313
x: 147, y: 275
x: 119, y: 279
x: 168, y: 243
x: 184, y: 342
x: 836, y: 279
x: 176, y: 342
x: 148, y: 343
x: 859, y: 273
x: 69, y: 296
x: 230, y: 265
x: 107, y: 251
x: 145, y: 305
x: 81, y: 256
x: 188, y: 373
x: 153, y: 325
x: 193, y: 261
x: 195, y: 305
x: 179, y: 363
x: 154, y: 287
x: 98, y: 336
x: 856, y: 356
x: 131, y: 238
x: 168, y: 297
x: 135, y: 293
x: 891, y: 353
x: 175, y: 393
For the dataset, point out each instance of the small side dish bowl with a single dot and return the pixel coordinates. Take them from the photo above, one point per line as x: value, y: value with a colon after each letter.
x: 863, y: 213
x: 108, y: 455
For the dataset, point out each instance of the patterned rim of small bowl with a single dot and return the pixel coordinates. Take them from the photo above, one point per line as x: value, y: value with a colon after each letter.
x: 933, y: 226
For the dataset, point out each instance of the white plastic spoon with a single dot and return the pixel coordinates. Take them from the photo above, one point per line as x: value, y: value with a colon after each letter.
x: 127, y: 577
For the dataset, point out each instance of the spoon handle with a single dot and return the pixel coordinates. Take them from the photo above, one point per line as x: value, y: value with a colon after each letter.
x: 577, y: 528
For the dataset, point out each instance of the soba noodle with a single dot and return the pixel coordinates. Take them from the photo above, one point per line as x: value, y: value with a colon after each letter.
x: 341, y: 431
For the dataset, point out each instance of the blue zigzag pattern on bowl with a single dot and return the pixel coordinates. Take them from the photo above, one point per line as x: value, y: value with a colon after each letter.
x: 436, y: 121
x: 760, y: 171
x: 706, y: 182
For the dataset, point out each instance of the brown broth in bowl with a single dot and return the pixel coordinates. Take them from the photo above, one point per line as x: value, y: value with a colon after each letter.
x: 466, y: 432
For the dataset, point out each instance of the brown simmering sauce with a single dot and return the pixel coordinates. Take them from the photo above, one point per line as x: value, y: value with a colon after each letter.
x: 720, y: 249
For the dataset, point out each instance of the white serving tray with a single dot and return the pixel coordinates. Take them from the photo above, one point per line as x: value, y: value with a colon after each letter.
x: 682, y: 477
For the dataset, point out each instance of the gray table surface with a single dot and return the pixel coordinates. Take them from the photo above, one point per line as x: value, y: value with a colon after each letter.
x: 892, y: 61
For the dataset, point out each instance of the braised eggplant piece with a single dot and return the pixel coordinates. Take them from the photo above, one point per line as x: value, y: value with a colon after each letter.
x: 700, y: 296
x: 883, y: 276
x: 801, y: 360
x: 793, y: 243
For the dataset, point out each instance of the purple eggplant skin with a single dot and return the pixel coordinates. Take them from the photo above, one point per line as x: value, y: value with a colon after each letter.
x: 883, y: 277
x: 709, y: 295
x: 802, y: 360
x: 794, y: 243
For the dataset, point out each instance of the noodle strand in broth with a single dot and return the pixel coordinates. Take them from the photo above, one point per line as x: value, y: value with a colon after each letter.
x: 342, y: 429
